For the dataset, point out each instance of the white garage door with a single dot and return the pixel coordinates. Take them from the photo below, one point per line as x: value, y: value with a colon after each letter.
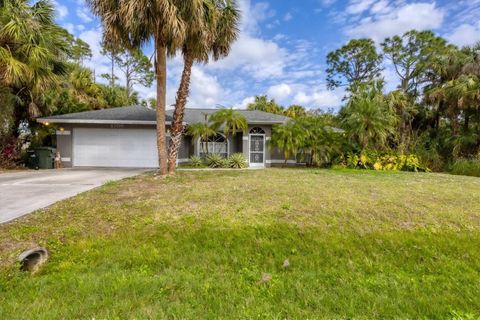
x: 131, y: 148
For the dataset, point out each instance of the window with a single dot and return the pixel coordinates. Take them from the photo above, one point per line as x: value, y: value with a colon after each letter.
x: 216, y: 144
x: 257, y: 130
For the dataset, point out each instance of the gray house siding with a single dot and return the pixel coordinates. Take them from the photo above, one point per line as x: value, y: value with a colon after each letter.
x: 143, y: 118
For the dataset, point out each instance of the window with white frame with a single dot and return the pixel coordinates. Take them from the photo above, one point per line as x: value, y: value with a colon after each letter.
x: 216, y: 144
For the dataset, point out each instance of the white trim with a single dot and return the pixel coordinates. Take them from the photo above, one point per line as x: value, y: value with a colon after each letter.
x: 63, y: 133
x: 67, y: 159
x: 281, y: 161
x: 245, y: 138
x: 250, y: 150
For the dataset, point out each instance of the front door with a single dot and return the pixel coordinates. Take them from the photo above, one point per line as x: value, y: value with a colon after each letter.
x: 257, y: 150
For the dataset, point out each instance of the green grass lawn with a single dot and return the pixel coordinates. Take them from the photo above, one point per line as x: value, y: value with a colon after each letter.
x: 361, y: 244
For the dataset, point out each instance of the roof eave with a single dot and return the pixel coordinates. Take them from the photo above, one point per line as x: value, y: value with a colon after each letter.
x: 90, y: 121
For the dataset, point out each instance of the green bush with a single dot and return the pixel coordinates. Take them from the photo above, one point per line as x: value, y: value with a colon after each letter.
x: 196, y: 162
x: 384, y: 162
x: 237, y: 161
x: 215, y: 161
x: 466, y: 167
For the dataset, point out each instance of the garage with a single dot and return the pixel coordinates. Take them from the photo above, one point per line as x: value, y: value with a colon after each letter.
x: 114, y: 147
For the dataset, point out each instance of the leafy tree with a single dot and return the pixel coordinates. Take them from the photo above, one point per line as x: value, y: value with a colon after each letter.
x: 410, y: 55
x: 136, y: 68
x: 355, y: 62
x: 210, y: 31
x: 110, y: 50
x: 262, y: 103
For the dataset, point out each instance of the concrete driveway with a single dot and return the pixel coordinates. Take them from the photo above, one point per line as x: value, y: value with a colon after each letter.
x: 27, y: 191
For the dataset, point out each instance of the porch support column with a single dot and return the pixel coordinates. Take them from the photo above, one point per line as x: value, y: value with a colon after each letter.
x: 245, y: 146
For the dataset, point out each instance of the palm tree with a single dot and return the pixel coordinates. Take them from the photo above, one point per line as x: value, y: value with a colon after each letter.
x: 295, y: 111
x: 289, y: 138
x: 231, y: 120
x: 212, y: 30
x: 202, y: 131
x: 401, y: 103
x: 33, y: 52
x: 132, y: 23
x: 367, y: 120
x: 263, y: 103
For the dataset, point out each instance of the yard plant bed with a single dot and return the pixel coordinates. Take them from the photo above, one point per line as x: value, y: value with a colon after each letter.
x: 360, y: 244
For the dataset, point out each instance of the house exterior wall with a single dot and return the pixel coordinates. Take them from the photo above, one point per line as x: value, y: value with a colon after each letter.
x: 237, y: 144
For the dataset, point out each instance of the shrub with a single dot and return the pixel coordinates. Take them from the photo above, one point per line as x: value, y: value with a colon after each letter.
x: 196, y: 162
x: 215, y: 161
x: 237, y: 161
x: 466, y: 167
x: 384, y: 162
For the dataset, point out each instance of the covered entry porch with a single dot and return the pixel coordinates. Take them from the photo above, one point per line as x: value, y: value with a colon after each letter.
x: 253, y: 144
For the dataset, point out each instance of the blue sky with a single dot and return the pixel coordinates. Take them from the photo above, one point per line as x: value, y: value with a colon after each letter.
x: 283, y: 44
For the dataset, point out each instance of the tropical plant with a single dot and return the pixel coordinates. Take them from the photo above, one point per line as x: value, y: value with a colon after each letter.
x: 211, y: 29
x: 229, y: 120
x: 32, y: 54
x: 295, y: 112
x: 321, y: 142
x: 201, y: 131
x: 289, y: 138
x: 263, y: 103
x: 237, y: 161
x: 368, y: 120
x: 196, y: 162
x: 215, y: 160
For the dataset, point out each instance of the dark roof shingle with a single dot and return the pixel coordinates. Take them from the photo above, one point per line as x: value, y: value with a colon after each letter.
x: 143, y: 115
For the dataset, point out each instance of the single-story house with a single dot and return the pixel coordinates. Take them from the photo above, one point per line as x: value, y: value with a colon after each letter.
x: 126, y: 137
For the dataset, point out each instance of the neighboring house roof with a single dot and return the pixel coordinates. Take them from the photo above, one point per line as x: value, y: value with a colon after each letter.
x: 143, y: 115
x: 253, y: 116
x: 122, y: 115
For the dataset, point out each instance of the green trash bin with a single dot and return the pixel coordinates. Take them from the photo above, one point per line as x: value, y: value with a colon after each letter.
x: 45, y: 157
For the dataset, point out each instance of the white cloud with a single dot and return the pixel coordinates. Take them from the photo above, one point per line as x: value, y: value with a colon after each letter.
x: 84, y: 14
x: 244, y: 104
x: 319, y: 98
x: 62, y: 11
x: 279, y: 92
x: 288, y: 17
x: 260, y: 58
x: 465, y: 34
x: 70, y: 27
x: 397, y: 20
x: 359, y: 6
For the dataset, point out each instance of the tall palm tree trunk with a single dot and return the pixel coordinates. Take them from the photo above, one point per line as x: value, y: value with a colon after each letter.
x: 161, y: 72
x: 177, y: 125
